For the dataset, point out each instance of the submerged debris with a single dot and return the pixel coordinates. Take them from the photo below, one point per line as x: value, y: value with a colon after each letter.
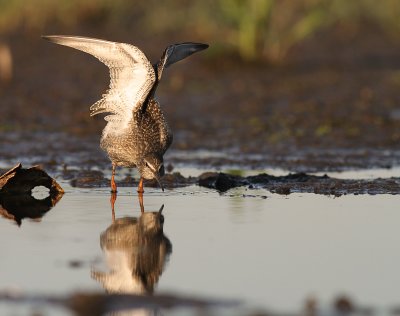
x: 16, y: 200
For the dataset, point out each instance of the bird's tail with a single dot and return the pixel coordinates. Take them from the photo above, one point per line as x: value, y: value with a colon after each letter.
x: 111, y: 102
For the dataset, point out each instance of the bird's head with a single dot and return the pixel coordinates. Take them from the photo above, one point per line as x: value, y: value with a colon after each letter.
x: 152, y: 167
x: 151, y: 223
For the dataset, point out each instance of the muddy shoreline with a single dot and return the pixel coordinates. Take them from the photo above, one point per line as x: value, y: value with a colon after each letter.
x: 223, y: 182
x: 80, y: 161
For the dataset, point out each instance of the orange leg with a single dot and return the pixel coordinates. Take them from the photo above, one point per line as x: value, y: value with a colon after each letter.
x: 113, y: 185
x: 140, y: 187
x: 112, y: 202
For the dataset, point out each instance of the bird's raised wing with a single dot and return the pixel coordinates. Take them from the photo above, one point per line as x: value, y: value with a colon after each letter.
x: 177, y: 52
x: 132, y: 75
x: 172, y: 54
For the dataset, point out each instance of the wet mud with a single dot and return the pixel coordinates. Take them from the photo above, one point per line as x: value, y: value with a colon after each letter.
x: 301, y: 183
x: 223, y: 182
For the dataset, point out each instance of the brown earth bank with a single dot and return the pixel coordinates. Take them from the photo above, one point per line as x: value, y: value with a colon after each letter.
x: 333, y: 105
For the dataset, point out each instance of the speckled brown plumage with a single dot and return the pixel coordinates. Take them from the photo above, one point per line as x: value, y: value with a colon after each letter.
x: 136, y: 134
x: 147, y: 135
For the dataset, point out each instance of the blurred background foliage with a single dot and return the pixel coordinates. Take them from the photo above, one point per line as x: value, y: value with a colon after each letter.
x: 252, y: 30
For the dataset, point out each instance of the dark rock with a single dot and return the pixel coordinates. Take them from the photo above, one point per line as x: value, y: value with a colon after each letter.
x: 171, y: 180
x: 220, y: 181
x: 208, y: 179
x: 89, y: 179
x: 284, y: 190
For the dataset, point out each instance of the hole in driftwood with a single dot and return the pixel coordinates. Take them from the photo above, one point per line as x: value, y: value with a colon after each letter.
x: 40, y: 192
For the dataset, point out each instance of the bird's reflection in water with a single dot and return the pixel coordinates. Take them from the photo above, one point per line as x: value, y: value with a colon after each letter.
x: 136, y: 251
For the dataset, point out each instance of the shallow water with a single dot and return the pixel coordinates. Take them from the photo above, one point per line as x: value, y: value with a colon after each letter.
x: 271, y: 253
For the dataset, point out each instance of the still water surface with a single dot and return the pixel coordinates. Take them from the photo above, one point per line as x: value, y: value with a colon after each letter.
x: 268, y: 250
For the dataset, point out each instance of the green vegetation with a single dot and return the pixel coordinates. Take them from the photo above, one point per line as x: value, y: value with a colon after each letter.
x: 254, y: 30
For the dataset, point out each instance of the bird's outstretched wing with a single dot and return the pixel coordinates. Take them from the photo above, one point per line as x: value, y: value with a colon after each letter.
x: 132, y: 75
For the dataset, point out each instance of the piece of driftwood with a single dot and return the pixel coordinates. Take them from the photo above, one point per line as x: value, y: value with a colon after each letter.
x: 18, y: 180
x: 16, y: 200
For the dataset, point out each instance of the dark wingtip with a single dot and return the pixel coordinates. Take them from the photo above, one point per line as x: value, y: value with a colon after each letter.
x: 46, y: 37
x: 204, y: 46
x: 50, y: 38
x: 177, y: 52
x: 201, y: 47
x: 198, y: 46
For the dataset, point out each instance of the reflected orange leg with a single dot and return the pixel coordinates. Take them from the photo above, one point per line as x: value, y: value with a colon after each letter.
x: 140, y: 189
x: 140, y: 195
x: 113, y: 185
x: 112, y: 202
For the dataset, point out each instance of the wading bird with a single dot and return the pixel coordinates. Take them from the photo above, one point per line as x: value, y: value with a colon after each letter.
x: 136, y: 134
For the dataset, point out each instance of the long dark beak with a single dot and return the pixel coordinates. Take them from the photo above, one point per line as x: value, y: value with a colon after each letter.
x: 159, y: 181
x: 161, y: 208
